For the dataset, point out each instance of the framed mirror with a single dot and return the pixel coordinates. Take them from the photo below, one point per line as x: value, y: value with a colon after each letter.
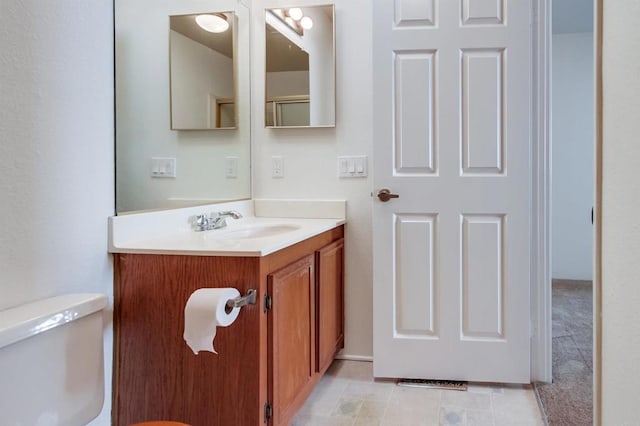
x: 300, y: 67
x: 203, y: 71
x: 160, y: 168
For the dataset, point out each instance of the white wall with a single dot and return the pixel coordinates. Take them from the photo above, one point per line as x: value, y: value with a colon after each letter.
x: 572, y: 156
x: 142, y: 113
x: 56, y: 153
x: 620, y: 204
x: 310, y: 155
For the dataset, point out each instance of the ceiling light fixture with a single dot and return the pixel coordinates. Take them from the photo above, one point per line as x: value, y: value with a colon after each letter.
x: 216, y: 23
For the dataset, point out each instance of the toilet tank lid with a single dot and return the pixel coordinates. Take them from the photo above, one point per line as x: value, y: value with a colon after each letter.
x: 24, y: 321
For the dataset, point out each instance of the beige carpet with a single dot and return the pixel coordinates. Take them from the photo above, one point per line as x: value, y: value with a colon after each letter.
x: 568, y: 400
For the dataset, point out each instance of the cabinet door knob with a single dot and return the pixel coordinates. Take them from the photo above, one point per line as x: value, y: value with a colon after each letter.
x: 385, y: 195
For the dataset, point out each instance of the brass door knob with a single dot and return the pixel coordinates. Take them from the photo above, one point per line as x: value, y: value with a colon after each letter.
x: 385, y: 195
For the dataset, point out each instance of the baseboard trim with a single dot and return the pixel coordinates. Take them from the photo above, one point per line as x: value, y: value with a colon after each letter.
x: 348, y: 357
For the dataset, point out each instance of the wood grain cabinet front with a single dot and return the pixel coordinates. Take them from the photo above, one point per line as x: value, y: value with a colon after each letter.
x: 330, y: 303
x: 292, y: 336
x: 268, y: 360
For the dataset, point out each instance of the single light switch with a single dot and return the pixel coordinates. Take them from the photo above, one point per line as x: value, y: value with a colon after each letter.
x: 231, y: 167
x: 344, y: 166
x: 277, y: 166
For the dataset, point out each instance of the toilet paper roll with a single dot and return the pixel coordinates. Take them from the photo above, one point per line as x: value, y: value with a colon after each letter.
x: 203, y: 313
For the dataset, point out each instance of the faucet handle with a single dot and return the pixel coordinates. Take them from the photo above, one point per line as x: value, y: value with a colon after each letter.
x: 199, y: 222
x: 219, y: 219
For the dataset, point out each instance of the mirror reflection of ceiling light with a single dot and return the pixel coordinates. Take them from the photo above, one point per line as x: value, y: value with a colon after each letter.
x: 306, y: 23
x: 295, y: 13
x: 294, y: 18
x: 216, y: 23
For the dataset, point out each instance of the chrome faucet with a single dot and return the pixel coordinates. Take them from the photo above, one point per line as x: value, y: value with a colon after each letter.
x: 219, y: 219
x: 215, y: 220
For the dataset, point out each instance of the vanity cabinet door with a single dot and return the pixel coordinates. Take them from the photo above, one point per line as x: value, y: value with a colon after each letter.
x: 330, y: 303
x: 291, y: 324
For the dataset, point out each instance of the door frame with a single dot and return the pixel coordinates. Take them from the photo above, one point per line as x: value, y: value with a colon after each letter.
x: 541, y: 195
x: 597, y: 217
x: 541, y: 335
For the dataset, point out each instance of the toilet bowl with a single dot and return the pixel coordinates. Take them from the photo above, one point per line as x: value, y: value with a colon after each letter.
x: 52, y: 361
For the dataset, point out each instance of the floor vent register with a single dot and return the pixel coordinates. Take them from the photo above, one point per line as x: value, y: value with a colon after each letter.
x: 433, y: 384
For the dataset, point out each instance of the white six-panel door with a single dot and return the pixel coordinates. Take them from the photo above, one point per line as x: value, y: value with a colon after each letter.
x: 452, y: 139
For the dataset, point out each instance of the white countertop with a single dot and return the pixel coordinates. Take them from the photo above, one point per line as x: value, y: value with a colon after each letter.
x: 168, y: 232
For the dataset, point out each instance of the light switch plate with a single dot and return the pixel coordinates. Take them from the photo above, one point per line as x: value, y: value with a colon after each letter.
x: 162, y: 167
x: 231, y: 167
x: 277, y: 166
x: 352, y: 166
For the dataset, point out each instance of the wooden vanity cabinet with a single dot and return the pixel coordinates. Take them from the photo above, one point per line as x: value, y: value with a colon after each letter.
x: 268, y: 360
x: 330, y: 303
x: 292, y: 337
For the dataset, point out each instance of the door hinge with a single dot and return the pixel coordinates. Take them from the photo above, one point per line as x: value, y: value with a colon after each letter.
x: 267, y: 302
x: 268, y: 412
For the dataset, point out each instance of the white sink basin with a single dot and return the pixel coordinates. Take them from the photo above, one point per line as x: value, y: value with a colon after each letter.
x: 254, y: 231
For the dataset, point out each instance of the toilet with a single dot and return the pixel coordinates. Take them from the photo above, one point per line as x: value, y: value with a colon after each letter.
x: 52, y: 362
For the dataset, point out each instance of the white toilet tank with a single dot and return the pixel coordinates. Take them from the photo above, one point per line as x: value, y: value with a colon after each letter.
x: 51, y: 361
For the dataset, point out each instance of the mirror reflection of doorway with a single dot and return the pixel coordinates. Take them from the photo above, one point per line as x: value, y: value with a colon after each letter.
x: 287, y: 80
x: 225, y: 113
x: 569, y: 398
x: 288, y: 111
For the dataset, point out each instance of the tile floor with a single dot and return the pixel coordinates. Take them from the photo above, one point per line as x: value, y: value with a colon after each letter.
x: 348, y: 395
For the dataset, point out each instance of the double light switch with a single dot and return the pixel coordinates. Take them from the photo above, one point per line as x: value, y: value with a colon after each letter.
x: 163, y: 167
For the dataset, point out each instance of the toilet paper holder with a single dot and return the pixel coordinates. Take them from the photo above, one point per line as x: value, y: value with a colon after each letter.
x: 249, y: 299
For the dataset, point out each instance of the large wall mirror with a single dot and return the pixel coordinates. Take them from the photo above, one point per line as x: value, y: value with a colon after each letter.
x: 158, y: 167
x: 201, y: 57
x: 300, y: 67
